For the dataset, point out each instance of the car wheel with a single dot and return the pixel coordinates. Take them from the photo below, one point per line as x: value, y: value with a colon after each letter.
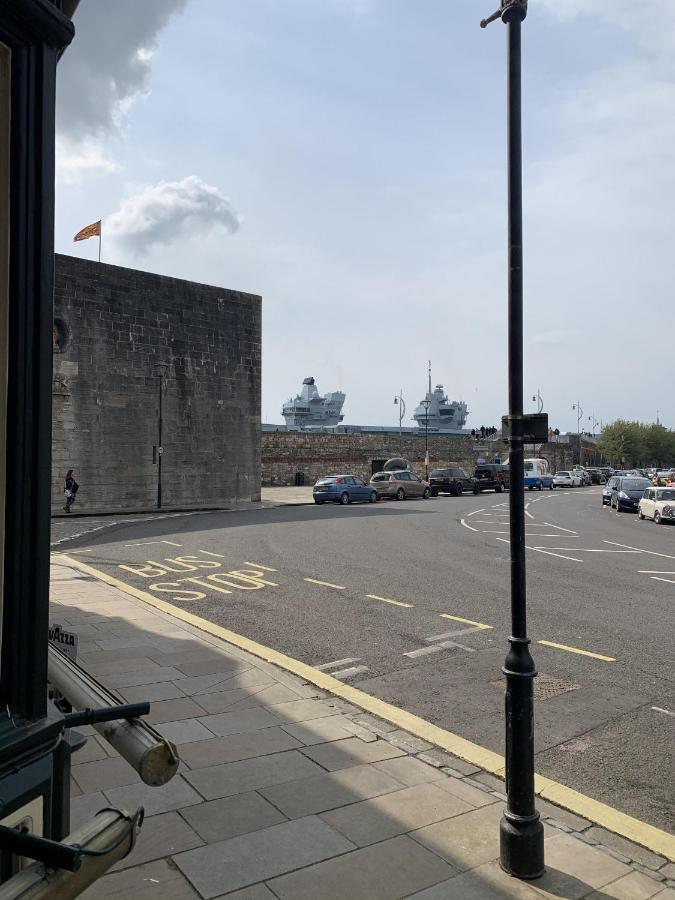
x: 657, y: 518
x: 550, y: 486
x: 499, y: 488
x: 476, y: 490
x: 641, y: 515
x: 434, y: 493
x: 344, y: 498
x: 539, y: 486
x: 426, y: 494
x: 457, y: 490
x: 318, y: 502
x: 400, y: 494
x: 373, y: 497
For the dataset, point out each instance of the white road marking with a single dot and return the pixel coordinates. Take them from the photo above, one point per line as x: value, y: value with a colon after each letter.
x: 552, y: 525
x: 646, y: 571
x: 148, y: 543
x: 656, y: 578
x: 475, y: 512
x: 449, y: 634
x: 423, y: 651
x: 667, y: 712
x: 348, y: 673
x: 463, y: 522
x: 639, y: 549
x: 338, y: 662
x: 547, y: 552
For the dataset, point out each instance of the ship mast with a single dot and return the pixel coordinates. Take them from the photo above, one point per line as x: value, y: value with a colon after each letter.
x: 429, y: 394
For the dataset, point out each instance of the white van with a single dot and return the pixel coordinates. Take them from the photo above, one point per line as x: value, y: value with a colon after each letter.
x: 538, y: 474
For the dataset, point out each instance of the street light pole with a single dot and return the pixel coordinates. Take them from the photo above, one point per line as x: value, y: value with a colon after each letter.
x: 580, y: 412
x: 160, y: 372
x: 398, y: 399
x: 521, y: 831
x: 426, y: 404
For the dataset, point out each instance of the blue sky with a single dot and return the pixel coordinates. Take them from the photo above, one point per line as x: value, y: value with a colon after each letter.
x: 346, y: 160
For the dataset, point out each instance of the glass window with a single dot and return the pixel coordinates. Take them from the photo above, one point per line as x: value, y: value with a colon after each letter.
x: 5, y: 59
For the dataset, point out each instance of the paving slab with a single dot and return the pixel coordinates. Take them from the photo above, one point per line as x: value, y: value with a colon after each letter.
x: 391, y: 869
x: 186, y: 731
x: 467, y: 840
x: 250, y: 858
x: 168, y: 834
x: 351, y: 752
x: 576, y: 868
x: 466, y: 792
x: 103, y: 774
x: 174, y: 795
x: 408, y: 770
x: 217, y: 664
x: 158, y: 879
x: 255, y: 892
x: 84, y: 807
x: 395, y: 813
x: 173, y: 710
x: 251, y: 774
x: 329, y: 790
x: 267, y: 695
x: 238, y: 722
x: 303, y: 710
x: 91, y: 751
x: 218, y: 820
x: 486, y: 882
x: 319, y: 731
x: 217, y: 751
x: 162, y: 690
x: 632, y: 851
x: 630, y: 887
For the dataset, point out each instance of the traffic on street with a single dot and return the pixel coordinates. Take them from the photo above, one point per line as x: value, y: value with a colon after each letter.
x: 410, y: 602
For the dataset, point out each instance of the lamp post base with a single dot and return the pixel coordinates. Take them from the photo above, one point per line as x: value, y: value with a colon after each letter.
x: 521, y: 845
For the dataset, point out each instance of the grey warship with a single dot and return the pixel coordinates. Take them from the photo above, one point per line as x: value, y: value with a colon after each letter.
x: 310, y: 410
x: 444, y: 415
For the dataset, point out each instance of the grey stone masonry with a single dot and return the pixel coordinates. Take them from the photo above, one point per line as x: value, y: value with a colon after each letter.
x: 115, y: 329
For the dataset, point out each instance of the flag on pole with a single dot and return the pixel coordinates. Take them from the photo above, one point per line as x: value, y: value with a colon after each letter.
x: 93, y: 230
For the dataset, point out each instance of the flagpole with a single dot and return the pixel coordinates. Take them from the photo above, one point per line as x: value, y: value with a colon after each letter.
x: 100, y: 229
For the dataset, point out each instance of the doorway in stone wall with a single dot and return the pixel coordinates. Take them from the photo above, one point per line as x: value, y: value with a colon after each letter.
x: 377, y: 465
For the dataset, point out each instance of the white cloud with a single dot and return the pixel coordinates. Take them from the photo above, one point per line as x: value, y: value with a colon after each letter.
x: 103, y: 73
x: 158, y: 214
x: 75, y: 160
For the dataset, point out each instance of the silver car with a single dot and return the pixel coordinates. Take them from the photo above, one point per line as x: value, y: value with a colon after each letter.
x: 400, y: 485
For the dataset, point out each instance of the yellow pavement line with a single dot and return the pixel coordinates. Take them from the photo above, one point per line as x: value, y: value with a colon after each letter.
x: 258, y: 566
x: 338, y: 587
x: 576, y: 650
x: 466, y: 621
x: 613, y: 819
x: 387, y: 600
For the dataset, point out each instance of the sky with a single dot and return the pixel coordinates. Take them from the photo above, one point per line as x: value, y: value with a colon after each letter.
x: 346, y: 160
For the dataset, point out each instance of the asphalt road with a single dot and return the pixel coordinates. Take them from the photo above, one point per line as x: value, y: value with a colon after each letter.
x: 410, y: 602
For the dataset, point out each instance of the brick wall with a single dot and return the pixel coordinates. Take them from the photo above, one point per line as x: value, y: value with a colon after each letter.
x: 285, y: 453
x: 112, y: 327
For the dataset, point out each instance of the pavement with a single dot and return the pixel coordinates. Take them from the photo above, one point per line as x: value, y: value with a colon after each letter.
x: 408, y: 602
x: 285, y: 790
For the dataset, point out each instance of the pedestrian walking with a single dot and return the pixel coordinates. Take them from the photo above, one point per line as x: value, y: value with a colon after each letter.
x: 70, y: 490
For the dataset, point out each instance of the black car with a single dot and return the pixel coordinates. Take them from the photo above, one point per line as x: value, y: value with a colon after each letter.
x: 627, y: 492
x: 492, y: 477
x: 596, y: 476
x: 451, y: 481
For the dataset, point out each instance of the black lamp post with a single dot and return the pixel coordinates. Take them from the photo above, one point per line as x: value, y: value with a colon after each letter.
x: 521, y: 831
x: 160, y: 372
x: 426, y: 404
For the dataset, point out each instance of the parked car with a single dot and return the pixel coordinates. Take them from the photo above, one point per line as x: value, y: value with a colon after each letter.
x: 399, y: 485
x: 451, y: 481
x: 658, y: 504
x: 664, y: 476
x: 343, y: 489
x: 565, y: 479
x: 582, y: 474
x: 609, y: 486
x: 492, y: 477
x: 627, y: 493
x: 596, y: 476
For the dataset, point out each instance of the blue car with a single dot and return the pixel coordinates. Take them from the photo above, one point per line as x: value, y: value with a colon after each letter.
x: 343, y: 489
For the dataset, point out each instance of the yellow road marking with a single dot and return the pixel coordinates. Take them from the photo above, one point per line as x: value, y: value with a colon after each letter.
x: 337, y: 587
x: 258, y: 566
x: 600, y: 813
x: 466, y: 621
x: 576, y: 650
x: 386, y: 600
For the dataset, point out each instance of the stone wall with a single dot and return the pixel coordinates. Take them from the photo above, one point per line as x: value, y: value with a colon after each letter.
x: 289, y: 454
x: 112, y: 328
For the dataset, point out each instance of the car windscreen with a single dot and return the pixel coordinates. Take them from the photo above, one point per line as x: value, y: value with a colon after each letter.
x: 565, y: 474
x: 665, y: 495
x: 634, y: 484
x: 528, y: 466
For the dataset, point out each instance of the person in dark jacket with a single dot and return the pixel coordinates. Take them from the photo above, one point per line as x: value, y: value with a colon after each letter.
x: 70, y: 490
